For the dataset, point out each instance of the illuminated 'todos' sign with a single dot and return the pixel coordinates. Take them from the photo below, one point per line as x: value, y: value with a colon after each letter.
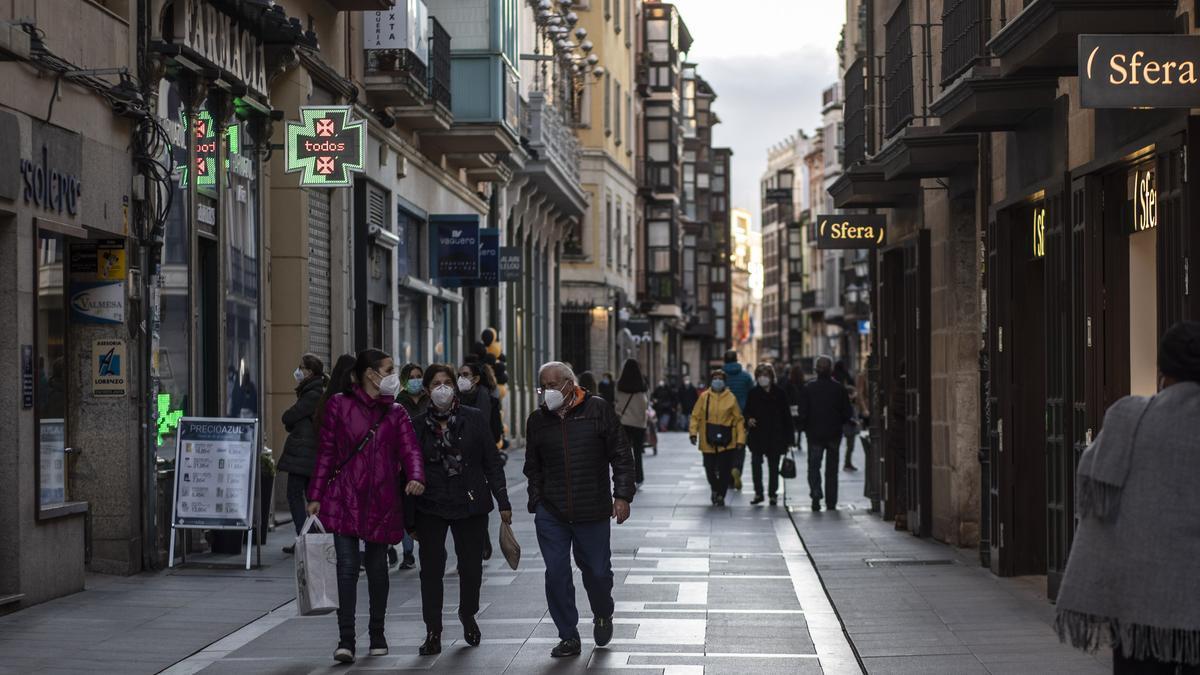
x: 851, y: 231
x: 326, y: 146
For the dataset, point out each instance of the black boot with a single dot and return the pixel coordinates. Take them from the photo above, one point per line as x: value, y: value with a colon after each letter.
x: 432, y: 645
x: 758, y: 499
x: 471, y: 631
x: 816, y: 505
x: 568, y: 647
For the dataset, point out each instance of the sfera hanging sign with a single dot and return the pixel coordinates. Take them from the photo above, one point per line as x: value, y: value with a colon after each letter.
x: 326, y: 146
x: 1139, y: 71
x: 1039, y: 232
x: 1145, y: 200
x: 851, y: 231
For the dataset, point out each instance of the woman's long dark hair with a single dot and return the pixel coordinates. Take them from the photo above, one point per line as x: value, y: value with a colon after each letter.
x: 313, y: 364
x: 796, y: 375
x: 368, y: 359
x: 339, y: 382
x: 631, y: 381
x: 483, y: 372
x: 588, y: 381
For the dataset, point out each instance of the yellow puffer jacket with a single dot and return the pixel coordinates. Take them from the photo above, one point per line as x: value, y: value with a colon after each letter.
x: 714, y: 408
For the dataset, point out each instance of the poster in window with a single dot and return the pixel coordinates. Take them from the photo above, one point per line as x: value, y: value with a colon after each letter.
x: 53, y: 476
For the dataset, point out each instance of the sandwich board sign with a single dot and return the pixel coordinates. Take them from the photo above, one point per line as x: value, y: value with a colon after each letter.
x: 216, y: 477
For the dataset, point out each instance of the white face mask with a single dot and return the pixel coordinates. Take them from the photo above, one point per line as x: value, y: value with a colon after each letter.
x: 764, y: 381
x: 390, y: 385
x: 465, y: 384
x: 554, y: 399
x: 299, y: 375
x: 442, y: 396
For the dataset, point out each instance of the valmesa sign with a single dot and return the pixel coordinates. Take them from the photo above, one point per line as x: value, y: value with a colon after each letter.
x: 1139, y: 71
x: 851, y: 231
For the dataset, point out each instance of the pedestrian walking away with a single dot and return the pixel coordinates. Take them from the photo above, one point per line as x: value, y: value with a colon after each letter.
x: 717, y: 428
x: 631, y: 408
x: 824, y: 412
x: 415, y: 400
x: 739, y: 383
x: 687, y: 396
x: 769, y: 430
x: 1131, y: 581
x: 573, y: 442
x: 368, y: 459
x: 463, y: 475
x: 300, y: 448
x: 849, y: 430
x: 665, y: 405
x: 608, y: 387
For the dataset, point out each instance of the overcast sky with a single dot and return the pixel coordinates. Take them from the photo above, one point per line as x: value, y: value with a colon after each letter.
x: 768, y: 61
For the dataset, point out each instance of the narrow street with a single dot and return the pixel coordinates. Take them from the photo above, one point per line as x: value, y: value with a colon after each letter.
x: 698, y: 590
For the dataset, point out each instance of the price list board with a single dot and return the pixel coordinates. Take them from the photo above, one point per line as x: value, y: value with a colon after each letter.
x: 215, y: 469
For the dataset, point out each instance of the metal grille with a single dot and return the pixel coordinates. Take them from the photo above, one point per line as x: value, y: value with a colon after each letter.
x: 396, y: 62
x: 965, y: 33
x: 319, y: 303
x: 856, y: 113
x: 898, y: 78
x: 439, y: 63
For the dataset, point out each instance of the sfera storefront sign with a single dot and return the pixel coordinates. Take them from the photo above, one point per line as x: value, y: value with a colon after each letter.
x: 851, y: 231
x: 1145, y: 200
x: 1139, y: 71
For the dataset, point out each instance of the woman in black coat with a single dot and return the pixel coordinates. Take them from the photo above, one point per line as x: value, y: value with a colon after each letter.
x: 300, y: 448
x: 769, y: 423
x: 463, y: 474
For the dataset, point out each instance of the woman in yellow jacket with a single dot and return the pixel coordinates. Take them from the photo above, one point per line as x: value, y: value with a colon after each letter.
x: 718, y: 428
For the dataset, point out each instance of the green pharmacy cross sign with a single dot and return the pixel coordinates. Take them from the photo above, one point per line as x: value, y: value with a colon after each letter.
x: 326, y: 145
x: 206, y: 148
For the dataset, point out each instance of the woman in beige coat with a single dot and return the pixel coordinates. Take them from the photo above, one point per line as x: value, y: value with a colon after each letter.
x: 631, y: 405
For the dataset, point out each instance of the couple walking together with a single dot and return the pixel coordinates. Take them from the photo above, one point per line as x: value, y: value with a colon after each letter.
x: 373, y: 458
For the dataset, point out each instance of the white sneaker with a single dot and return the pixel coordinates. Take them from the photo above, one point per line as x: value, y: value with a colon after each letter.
x: 343, y: 655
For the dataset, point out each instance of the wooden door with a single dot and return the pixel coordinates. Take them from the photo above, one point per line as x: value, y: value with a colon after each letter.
x: 917, y: 427
x: 1023, y: 479
x: 1060, y: 458
x: 892, y: 376
x: 998, y: 312
x: 1174, y: 241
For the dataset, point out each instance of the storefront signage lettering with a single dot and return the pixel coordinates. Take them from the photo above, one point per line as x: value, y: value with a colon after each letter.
x: 326, y: 146
x: 50, y: 188
x: 220, y: 39
x: 109, y: 365
x: 1139, y: 71
x: 404, y: 26
x: 851, y: 231
x: 489, y: 260
x: 1145, y: 201
x: 101, y: 302
x: 1039, y: 233
x: 215, y: 469
x: 455, y: 255
x: 510, y: 263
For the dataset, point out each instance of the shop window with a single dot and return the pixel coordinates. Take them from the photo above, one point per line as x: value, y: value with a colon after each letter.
x: 52, y: 371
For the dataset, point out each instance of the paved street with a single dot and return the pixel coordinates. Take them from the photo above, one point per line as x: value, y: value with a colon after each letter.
x: 698, y: 590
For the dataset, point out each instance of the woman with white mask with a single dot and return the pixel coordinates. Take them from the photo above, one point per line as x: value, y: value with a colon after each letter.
x: 464, y: 481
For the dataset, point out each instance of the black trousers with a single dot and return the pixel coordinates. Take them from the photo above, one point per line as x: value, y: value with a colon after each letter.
x: 1123, y: 665
x: 717, y: 466
x: 826, y: 449
x: 297, y: 496
x: 469, y: 536
x: 756, y: 464
x: 637, y: 441
x: 348, y: 562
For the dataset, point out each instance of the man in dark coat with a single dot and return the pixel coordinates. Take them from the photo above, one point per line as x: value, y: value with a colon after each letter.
x: 824, y: 410
x: 573, y: 440
x: 769, y: 422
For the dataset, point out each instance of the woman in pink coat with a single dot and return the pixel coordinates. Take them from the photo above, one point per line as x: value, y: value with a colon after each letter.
x: 368, y: 460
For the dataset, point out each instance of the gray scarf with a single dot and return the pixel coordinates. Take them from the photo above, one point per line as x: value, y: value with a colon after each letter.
x: 1133, y: 577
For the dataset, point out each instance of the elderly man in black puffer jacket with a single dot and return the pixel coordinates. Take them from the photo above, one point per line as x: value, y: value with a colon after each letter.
x: 572, y: 441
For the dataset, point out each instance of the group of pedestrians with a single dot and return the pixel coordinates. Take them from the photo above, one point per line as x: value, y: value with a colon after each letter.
x: 383, y: 455
x: 737, y: 410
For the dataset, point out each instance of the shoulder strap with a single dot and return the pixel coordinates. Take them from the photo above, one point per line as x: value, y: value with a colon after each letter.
x: 362, y: 443
x: 627, y: 402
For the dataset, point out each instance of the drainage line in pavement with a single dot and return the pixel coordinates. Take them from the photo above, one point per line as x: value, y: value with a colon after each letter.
x: 824, y: 588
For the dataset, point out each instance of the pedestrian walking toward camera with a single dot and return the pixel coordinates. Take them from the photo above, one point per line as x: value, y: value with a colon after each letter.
x: 665, y: 405
x: 415, y: 400
x: 300, y: 448
x: 824, y: 412
x: 573, y: 443
x: 1131, y: 579
x: 463, y: 475
x: 769, y: 430
x: 631, y: 408
x: 739, y: 383
x: 368, y: 459
x: 718, y: 429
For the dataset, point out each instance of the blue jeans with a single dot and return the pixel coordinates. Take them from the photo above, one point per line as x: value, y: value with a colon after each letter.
x: 593, y: 555
x: 408, y: 544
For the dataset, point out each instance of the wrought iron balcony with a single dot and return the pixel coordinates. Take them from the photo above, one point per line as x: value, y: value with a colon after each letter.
x: 395, y: 77
x: 550, y: 138
x: 439, y: 64
x: 898, y: 71
x: 965, y: 33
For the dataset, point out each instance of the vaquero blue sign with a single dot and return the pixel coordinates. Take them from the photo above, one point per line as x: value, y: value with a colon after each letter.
x: 489, y: 260
x: 454, y: 249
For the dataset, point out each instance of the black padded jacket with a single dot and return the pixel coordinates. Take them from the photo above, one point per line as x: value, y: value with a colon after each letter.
x: 568, y: 461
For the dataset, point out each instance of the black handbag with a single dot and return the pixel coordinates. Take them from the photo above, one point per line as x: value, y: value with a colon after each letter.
x: 717, y: 435
x: 787, y: 468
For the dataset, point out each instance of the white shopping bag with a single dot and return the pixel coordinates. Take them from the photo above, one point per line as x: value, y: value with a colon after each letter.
x: 316, y: 570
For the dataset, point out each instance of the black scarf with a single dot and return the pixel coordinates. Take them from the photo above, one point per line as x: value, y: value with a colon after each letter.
x: 440, y: 423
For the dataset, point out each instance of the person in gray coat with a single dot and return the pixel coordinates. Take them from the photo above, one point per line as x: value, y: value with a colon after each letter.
x: 1132, y: 580
x: 300, y: 448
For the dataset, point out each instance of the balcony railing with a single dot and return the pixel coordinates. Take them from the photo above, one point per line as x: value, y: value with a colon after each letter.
x: 898, y: 77
x: 856, y: 112
x: 439, y: 62
x: 550, y: 137
x: 809, y: 299
x: 398, y: 63
x: 965, y: 34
